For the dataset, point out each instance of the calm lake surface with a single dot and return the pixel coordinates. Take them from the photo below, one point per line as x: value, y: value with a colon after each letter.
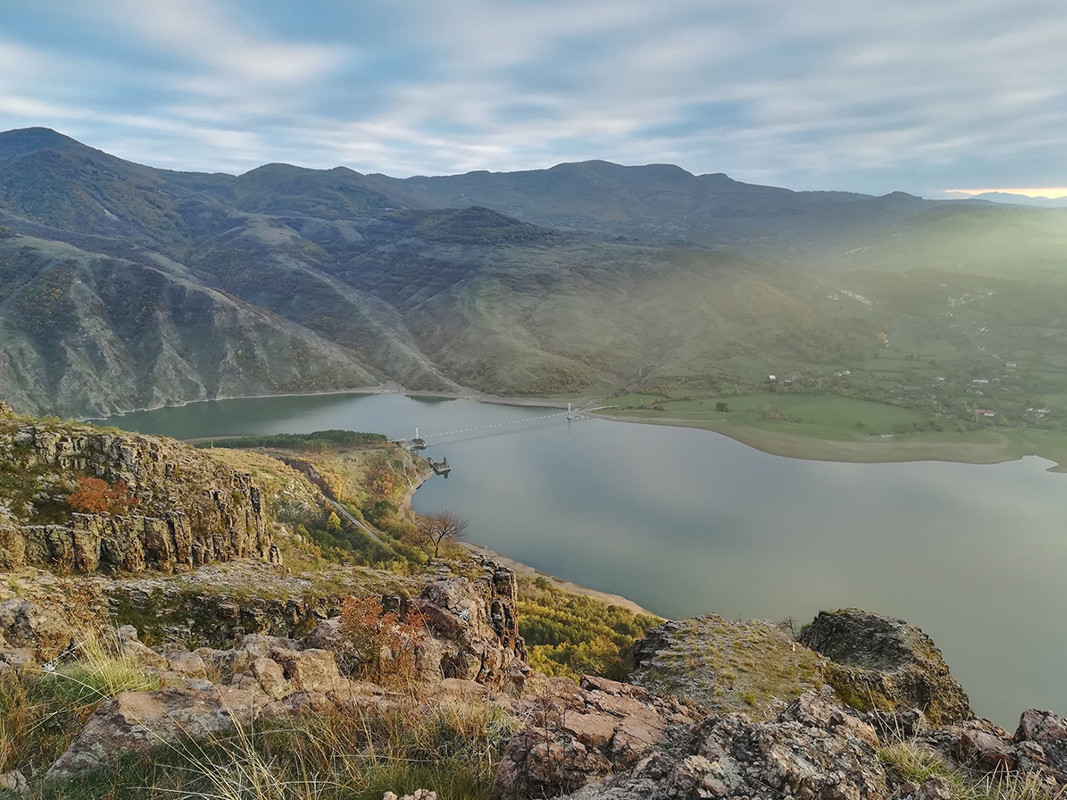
x: 687, y: 522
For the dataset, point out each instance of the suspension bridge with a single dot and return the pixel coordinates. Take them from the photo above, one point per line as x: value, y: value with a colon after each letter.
x: 421, y: 441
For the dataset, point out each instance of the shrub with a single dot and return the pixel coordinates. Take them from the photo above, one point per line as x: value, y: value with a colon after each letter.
x: 381, y: 645
x: 94, y: 496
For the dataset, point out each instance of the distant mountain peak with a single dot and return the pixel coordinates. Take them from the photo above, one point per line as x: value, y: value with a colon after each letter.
x: 39, y: 134
x: 20, y: 141
x: 900, y: 196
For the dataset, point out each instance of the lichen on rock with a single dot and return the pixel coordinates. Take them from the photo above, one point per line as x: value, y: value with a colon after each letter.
x: 753, y: 667
x: 882, y: 663
x: 815, y: 748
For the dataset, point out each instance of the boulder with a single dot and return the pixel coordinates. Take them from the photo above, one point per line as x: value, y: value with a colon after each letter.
x: 1048, y: 732
x: 883, y: 663
x: 136, y: 721
x: 188, y: 665
x: 271, y: 678
x: 309, y: 670
x: 580, y: 733
x: 934, y: 788
x: 26, y: 626
x: 986, y: 746
x: 816, y: 748
x: 143, y: 656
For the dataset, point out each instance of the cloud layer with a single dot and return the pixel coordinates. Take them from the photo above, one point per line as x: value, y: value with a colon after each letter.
x: 866, y: 96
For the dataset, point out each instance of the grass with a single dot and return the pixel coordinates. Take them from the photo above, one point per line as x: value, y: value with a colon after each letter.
x: 41, y: 712
x: 101, y: 671
x: 732, y: 666
x: 912, y: 761
x: 824, y: 426
x: 450, y: 746
x: 818, y: 415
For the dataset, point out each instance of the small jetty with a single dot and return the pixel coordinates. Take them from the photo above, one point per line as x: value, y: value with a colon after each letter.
x: 441, y: 467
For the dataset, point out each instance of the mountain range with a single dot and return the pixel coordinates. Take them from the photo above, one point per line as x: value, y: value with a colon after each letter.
x: 123, y: 286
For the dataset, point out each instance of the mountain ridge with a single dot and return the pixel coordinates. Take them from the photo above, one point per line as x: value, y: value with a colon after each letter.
x: 586, y: 277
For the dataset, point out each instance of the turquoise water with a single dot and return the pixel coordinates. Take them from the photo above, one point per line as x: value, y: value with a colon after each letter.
x: 686, y: 522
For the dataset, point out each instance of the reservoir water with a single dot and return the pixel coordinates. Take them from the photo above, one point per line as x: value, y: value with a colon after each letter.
x: 687, y: 522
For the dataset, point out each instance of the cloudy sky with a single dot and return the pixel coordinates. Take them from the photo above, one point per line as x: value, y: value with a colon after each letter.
x: 864, y: 95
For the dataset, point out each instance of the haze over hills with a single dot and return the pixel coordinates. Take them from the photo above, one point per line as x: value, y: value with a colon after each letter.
x: 124, y: 286
x: 1022, y: 199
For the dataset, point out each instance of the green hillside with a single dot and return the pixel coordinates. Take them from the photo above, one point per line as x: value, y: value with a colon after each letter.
x: 124, y: 286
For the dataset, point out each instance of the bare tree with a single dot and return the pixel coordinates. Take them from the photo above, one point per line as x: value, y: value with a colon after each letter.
x: 435, y: 530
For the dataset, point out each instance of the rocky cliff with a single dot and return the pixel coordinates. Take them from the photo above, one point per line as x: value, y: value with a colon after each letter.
x: 193, y: 510
x: 192, y: 602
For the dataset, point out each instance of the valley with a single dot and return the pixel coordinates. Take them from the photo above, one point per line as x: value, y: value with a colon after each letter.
x: 126, y: 287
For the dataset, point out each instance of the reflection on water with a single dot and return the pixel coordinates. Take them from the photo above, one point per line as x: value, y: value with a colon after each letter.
x: 686, y: 522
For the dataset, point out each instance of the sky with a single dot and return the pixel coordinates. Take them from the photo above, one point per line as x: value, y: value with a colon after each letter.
x: 861, y: 95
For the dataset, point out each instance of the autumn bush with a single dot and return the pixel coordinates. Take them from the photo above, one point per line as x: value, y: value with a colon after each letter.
x: 95, y: 496
x: 379, y: 645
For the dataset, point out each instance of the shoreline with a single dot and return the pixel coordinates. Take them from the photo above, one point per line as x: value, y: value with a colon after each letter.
x: 1005, y: 445
x: 383, y: 388
x: 521, y: 568
x: 884, y: 450
x: 569, y: 586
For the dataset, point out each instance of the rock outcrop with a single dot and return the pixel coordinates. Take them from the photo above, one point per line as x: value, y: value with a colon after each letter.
x: 217, y: 613
x: 581, y: 733
x: 470, y: 646
x: 753, y: 667
x: 815, y: 748
x: 883, y: 663
x: 475, y: 625
x: 192, y: 509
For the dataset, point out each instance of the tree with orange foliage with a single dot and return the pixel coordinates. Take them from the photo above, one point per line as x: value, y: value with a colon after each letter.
x: 382, y: 644
x: 94, y: 496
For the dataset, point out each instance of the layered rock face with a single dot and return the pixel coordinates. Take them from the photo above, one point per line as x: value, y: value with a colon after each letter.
x: 196, y: 511
x: 880, y: 663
